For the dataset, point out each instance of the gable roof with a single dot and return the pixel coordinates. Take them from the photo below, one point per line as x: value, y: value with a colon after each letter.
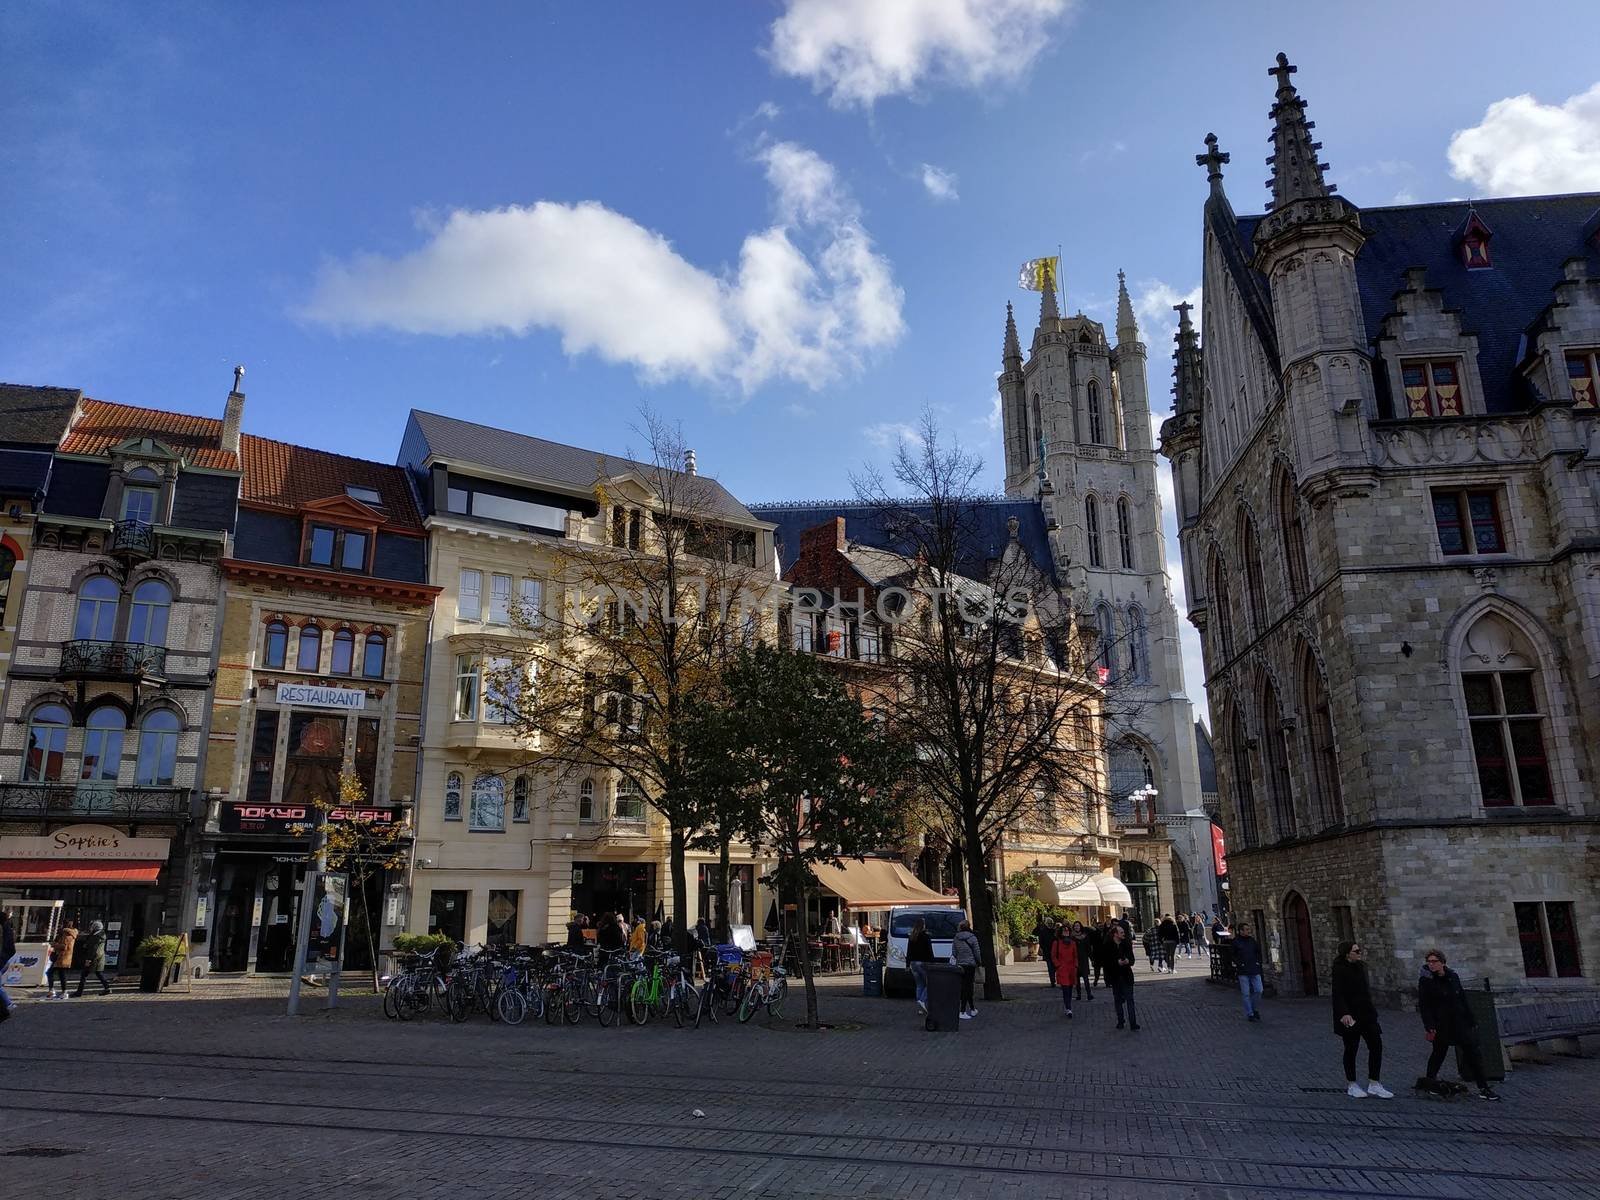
x: 103, y: 426
x: 568, y: 467
x: 35, y: 416
x: 285, y: 476
x: 864, y: 527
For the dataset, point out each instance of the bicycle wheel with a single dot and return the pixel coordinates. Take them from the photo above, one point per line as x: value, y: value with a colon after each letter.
x: 511, y: 1007
x: 749, y: 1003
x: 639, y: 1001
x: 610, y: 1004
x: 776, y: 997
x: 735, y: 995
x: 592, y: 990
x: 458, y: 1000
x: 661, y: 996
x: 391, y: 1000
x: 684, y: 1002
x: 709, y: 1006
x: 552, y: 1002
x: 572, y: 1003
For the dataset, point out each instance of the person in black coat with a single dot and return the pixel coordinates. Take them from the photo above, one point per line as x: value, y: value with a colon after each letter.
x: 1088, y: 942
x: 1117, y: 957
x: 1045, y: 934
x: 1442, y: 1003
x: 1355, y: 1020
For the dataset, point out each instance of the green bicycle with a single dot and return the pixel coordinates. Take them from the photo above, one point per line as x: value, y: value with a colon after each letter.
x: 652, y: 991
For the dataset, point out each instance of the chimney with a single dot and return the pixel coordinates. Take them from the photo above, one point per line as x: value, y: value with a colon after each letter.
x: 821, y: 538
x: 688, y: 462
x: 233, y: 414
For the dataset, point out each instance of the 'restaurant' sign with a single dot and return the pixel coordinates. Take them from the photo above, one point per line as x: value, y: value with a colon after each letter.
x: 85, y: 841
x: 293, y: 819
x: 311, y: 696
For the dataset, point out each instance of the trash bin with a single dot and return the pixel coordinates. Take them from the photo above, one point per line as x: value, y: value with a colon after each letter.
x: 944, y: 998
x: 1486, y: 1034
x: 872, y: 977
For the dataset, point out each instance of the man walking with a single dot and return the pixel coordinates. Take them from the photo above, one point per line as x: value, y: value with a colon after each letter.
x: 1449, y: 1021
x: 1247, y: 958
x: 91, y: 955
x: 1167, y: 931
x: 1117, y: 959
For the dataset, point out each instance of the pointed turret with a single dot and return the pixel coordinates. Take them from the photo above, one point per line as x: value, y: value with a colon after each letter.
x: 1047, y: 298
x: 1127, y: 327
x: 1296, y: 173
x: 1012, y: 352
x: 1013, y: 409
x: 1186, y: 365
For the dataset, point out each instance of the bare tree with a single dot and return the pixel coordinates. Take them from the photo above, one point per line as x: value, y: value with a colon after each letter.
x: 999, y: 693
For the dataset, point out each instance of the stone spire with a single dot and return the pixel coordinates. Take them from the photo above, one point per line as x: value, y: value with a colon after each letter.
x: 1012, y: 353
x: 1296, y: 173
x: 1127, y: 327
x: 1212, y: 160
x: 1047, y: 299
x: 1186, y: 367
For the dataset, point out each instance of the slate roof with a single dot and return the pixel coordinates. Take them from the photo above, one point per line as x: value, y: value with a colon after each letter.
x: 282, y: 475
x: 104, y: 426
x: 1532, y: 237
x: 1207, y: 756
x: 24, y: 473
x: 35, y: 416
x: 864, y: 525
x: 569, y: 467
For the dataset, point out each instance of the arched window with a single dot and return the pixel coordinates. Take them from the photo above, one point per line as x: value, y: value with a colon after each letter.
x: 344, y: 652
x: 1097, y: 418
x: 1106, y: 635
x: 1319, y: 733
x: 102, y: 745
x: 1254, y: 584
x: 1506, y: 714
x: 1091, y: 531
x: 630, y: 801
x: 373, y: 655
x: 308, y: 657
x: 1129, y: 771
x: 488, y: 810
x: 8, y: 564
x: 46, y: 746
x: 586, y: 800
x: 1244, y: 799
x: 1138, y: 645
x: 147, y: 619
x: 277, y: 643
x: 1125, y: 532
x: 97, y: 610
x: 1292, y: 531
x: 1221, y: 611
x: 158, y: 749
x: 452, y: 796
x: 519, y: 798
x: 1279, y: 795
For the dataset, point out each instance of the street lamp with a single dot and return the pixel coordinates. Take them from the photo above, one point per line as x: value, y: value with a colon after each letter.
x: 1144, y: 803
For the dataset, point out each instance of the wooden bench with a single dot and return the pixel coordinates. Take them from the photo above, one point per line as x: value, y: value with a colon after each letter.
x: 1560, y: 1020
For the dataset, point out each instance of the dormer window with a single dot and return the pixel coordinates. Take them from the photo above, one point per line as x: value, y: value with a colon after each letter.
x: 1472, y: 243
x: 366, y: 495
x: 1583, y: 375
x: 139, y: 504
x: 337, y: 548
x: 1432, y: 387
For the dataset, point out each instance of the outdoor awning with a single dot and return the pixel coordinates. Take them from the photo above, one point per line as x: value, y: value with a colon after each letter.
x: 1112, y: 890
x: 77, y: 870
x: 871, y: 883
x: 1070, y: 888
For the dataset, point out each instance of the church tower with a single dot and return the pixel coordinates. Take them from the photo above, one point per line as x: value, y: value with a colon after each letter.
x: 1076, y: 417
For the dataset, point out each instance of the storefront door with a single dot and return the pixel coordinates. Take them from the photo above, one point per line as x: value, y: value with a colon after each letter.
x: 276, y: 929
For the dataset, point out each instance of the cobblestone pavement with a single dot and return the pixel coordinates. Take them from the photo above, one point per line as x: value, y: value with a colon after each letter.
x: 227, y: 1097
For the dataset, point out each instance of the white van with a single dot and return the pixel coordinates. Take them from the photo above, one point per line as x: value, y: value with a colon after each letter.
x: 942, y: 925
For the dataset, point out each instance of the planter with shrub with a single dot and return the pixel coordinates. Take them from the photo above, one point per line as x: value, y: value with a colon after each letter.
x: 156, y: 956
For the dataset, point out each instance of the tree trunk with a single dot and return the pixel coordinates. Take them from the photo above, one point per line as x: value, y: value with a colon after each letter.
x: 803, y: 910
x: 982, y: 911
x: 962, y: 890
x: 680, y: 891
x: 372, y: 934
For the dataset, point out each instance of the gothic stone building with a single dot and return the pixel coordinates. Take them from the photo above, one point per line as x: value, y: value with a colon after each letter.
x: 1387, y: 465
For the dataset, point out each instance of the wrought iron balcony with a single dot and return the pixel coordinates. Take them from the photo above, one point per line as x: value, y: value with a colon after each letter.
x: 112, y: 660
x: 132, y: 540
x: 61, y: 801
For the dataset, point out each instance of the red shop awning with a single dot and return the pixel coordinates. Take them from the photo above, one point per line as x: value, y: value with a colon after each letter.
x: 77, y: 870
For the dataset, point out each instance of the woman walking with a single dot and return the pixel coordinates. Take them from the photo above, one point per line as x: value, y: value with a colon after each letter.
x: 919, y: 953
x: 1355, y: 1020
x: 91, y: 955
x: 61, y: 951
x: 966, y: 952
x: 1067, y: 968
x: 1085, y: 941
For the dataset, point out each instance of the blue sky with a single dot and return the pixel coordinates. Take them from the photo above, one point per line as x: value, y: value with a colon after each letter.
x: 789, y: 225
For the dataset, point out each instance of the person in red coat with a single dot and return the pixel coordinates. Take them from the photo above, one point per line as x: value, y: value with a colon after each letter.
x: 1064, y: 956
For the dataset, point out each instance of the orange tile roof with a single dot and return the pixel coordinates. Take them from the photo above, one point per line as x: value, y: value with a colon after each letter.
x: 281, y: 475
x: 104, y: 426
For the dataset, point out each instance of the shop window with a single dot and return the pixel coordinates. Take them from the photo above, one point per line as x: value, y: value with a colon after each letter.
x: 263, y: 758
x: 452, y: 796
x: 519, y: 798
x: 1549, y: 938
x: 368, y: 736
x: 157, y: 764
x: 46, y: 746
x: 469, y: 596
x: 1583, y: 376
x: 1091, y: 531
x: 102, y: 745
x: 1432, y: 387
x: 499, y: 599
x: 586, y: 800
x: 503, y: 917
x: 630, y: 801
x: 96, y: 618
x: 344, y: 651
x: 1125, y: 533
x: 467, y: 687
x: 1468, y: 522
x: 277, y: 644
x: 308, y: 654
x: 488, y: 808
x: 373, y: 655
x: 447, y: 914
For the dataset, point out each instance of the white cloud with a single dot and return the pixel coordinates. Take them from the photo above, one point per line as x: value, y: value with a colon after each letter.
x: 809, y: 298
x: 1523, y: 147
x: 1153, y: 301
x: 992, y: 420
x: 887, y: 435
x: 941, y: 184
x: 859, y: 51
